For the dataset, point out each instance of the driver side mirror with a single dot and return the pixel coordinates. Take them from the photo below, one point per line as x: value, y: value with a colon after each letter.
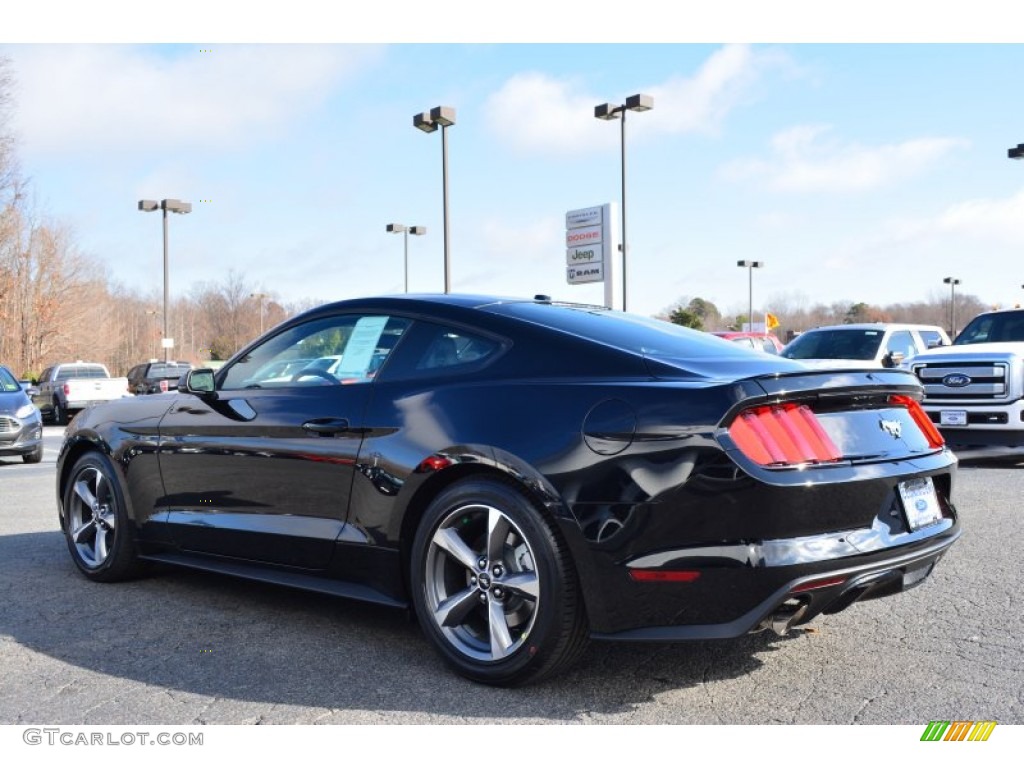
x: 200, y: 383
x: 892, y: 359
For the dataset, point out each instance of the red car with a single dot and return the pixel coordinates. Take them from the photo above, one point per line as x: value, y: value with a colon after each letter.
x: 762, y: 342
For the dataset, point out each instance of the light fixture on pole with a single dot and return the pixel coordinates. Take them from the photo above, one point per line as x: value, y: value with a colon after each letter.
x: 172, y: 206
x: 639, y: 102
x: 406, y: 231
x: 952, y: 282
x: 260, y: 297
x: 428, y: 122
x: 1016, y: 153
x: 751, y: 266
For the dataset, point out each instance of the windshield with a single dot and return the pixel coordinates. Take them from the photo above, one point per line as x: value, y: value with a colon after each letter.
x: 1000, y: 326
x: 7, y: 382
x: 835, y: 344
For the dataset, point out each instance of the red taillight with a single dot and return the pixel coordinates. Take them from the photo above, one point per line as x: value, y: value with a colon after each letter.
x: 67, y: 390
x: 782, y: 434
x: 923, y: 421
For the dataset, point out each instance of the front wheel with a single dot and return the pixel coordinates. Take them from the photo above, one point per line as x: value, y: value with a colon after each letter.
x: 494, y: 587
x: 96, y: 525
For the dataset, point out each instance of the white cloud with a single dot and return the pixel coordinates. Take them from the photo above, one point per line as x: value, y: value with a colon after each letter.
x: 534, y: 111
x: 699, y: 104
x: 987, y: 219
x: 70, y: 98
x: 807, y: 158
x: 998, y: 221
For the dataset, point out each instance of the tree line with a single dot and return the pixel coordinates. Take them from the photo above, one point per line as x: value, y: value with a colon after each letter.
x: 796, y: 314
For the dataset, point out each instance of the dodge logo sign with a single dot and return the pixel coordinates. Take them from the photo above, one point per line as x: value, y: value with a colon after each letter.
x: 956, y: 380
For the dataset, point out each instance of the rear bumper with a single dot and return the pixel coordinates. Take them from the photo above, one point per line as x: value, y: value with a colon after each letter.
x: 817, y: 591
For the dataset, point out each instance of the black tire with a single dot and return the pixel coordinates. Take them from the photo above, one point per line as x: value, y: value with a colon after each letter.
x: 501, y: 607
x: 35, y: 457
x: 60, y: 416
x: 99, y: 533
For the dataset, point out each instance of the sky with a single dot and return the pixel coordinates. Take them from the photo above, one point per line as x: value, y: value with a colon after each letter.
x: 856, y: 169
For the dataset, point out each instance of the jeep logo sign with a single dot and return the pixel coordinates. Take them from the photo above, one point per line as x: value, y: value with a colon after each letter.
x: 583, y: 255
x: 956, y: 380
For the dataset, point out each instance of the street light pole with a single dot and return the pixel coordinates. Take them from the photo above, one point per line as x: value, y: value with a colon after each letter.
x: 260, y: 297
x: 751, y: 266
x: 639, y: 102
x: 406, y: 231
x: 428, y: 122
x: 172, y: 206
x: 952, y: 282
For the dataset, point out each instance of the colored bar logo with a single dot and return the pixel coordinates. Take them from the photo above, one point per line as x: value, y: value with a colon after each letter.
x: 958, y: 730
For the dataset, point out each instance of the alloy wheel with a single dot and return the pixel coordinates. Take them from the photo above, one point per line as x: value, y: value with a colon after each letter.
x: 481, y: 585
x: 92, y: 517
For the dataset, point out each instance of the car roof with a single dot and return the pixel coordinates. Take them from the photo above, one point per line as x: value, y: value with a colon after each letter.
x: 743, y: 334
x: 876, y: 327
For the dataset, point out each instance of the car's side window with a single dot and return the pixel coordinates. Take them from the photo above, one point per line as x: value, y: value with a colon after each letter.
x: 450, y: 347
x: 342, y: 349
x: 433, y: 349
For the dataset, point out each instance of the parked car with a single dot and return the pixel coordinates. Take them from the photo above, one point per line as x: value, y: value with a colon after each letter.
x: 156, y: 376
x: 522, y: 475
x: 877, y: 345
x: 66, y: 388
x: 760, y: 342
x: 974, y: 389
x: 21, y: 426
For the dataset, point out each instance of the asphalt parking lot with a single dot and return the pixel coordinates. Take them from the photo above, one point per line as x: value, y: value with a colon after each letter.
x: 190, y: 648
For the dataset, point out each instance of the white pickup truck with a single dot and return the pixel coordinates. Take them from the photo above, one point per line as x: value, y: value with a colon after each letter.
x: 67, y: 388
x: 974, y: 389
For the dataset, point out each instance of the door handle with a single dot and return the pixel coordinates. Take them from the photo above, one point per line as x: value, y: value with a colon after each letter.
x: 326, y: 427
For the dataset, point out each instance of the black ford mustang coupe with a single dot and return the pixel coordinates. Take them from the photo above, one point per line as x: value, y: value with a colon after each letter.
x: 523, y: 475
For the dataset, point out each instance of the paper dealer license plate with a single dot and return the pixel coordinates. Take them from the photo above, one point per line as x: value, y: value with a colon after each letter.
x: 953, y: 418
x: 920, y: 502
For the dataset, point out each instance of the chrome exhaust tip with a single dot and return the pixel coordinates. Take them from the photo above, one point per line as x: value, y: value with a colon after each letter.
x: 786, y: 615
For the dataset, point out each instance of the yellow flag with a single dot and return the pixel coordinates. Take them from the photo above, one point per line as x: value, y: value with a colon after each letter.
x: 771, y: 321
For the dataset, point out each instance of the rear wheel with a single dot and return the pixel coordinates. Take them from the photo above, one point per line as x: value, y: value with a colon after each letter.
x: 60, y: 416
x: 494, y: 586
x: 97, y: 528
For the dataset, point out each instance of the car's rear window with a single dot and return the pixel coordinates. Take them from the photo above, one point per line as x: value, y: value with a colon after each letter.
x: 81, y: 372
x: 160, y: 370
x: 643, y: 335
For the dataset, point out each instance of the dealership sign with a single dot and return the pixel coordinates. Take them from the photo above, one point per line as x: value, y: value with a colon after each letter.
x: 587, y: 273
x: 591, y: 240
